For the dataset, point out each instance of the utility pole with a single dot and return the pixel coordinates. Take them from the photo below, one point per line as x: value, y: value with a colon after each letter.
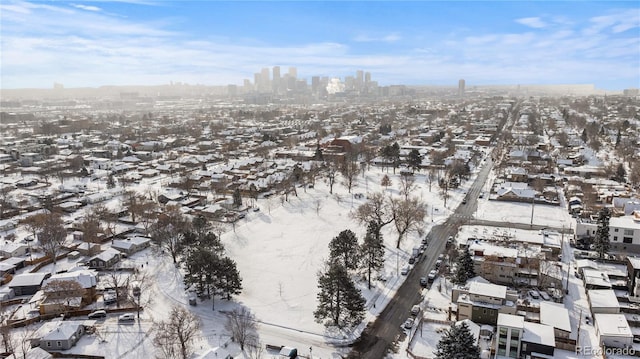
x: 532, y: 206
x: 579, y: 324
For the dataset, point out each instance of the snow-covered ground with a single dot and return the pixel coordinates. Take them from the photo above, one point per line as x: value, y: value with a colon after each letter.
x: 279, y: 251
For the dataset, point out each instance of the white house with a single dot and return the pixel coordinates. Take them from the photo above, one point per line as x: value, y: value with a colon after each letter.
x: 613, y: 330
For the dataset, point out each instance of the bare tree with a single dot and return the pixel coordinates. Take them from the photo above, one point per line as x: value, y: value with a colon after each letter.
x: 432, y: 175
x: 64, y: 290
x: 318, y: 206
x: 140, y: 294
x: 377, y: 209
x: 407, y: 184
x: 168, y: 231
x: 7, y: 335
x: 176, y: 335
x: 90, y: 227
x: 4, y: 199
x: 52, y: 235
x: 242, y: 326
x: 254, y: 349
x: 408, y: 215
x: 332, y: 172
x: 349, y: 171
x: 118, y: 281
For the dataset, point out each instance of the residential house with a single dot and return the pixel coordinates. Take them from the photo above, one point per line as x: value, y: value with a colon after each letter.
x: 603, y: 301
x: 556, y: 315
x: 105, y: 259
x: 58, y: 335
x: 14, y: 249
x: 509, y: 336
x: 633, y: 277
x: 131, y: 245
x: 88, y: 249
x: 27, y: 283
x: 482, y: 302
x: 613, y: 330
x: 215, y: 353
x: 538, y: 341
x: 518, y: 339
x: 87, y: 279
x: 624, y: 232
x: 595, y: 279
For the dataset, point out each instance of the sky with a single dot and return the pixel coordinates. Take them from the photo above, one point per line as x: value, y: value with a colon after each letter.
x: 146, y: 42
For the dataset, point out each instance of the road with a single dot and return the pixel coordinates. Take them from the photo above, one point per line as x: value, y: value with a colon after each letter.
x: 378, y: 337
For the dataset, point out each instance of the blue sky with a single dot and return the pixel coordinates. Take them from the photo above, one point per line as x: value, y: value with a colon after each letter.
x: 146, y: 42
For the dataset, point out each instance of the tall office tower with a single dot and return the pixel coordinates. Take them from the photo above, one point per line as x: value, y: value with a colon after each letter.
x: 461, y: 87
x: 293, y: 72
x: 256, y: 81
x: 265, y: 82
x: 315, y: 84
x: 359, y: 79
x: 232, y: 90
x: 367, y: 77
x: 275, y: 85
x: 246, y: 86
x: 349, y: 83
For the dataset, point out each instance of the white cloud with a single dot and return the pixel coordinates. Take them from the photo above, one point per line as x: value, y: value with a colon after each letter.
x: 46, y: 43
x: 534, y: 22
x: 86, y: 7
x: 393, y: 37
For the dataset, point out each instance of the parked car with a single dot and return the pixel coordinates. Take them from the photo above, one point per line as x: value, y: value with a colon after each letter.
x: 423, y: 281
x: 405, y: 270
x: 544, y: 295
x: 408, y: 324
x: 412, y: 260
x: 534, y: 294
x: 433, y: 274
x: 127, y: 317
x: 97, y: 314
x: 415, y: 310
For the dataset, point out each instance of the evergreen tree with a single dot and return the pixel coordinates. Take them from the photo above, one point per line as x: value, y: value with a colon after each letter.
x: 237, y: 198
x: 338, y: 299
x: 620, y: 173
x: 318, y: 155
x: 210, y: 273
x: 414, y: 160
x: 344, y: 248
x: 584, y: 135
x: 372, y: 251
x: 457, y: 343
x: 601, y: 240
x: 465, y: 269
x: 618, y: 137
x: 395, y: 155
x: 386, y: 182
x: 228, y: 280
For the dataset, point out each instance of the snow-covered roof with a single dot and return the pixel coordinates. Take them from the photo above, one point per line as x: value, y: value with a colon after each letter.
x: 27, y: 279
x: 602, y: 298
x: 488, y: 289
x: 214, y: 353
x: 510, y: 320
x: 86, y: 278
x: 596, y: 278
x: 106, y: 255
x: 555, y: 315
x: 539, y: 334
x: 615, y: 325
x: 58, y: 330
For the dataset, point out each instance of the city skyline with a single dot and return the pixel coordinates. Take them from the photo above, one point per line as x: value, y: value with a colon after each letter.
x: 95, y: 43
